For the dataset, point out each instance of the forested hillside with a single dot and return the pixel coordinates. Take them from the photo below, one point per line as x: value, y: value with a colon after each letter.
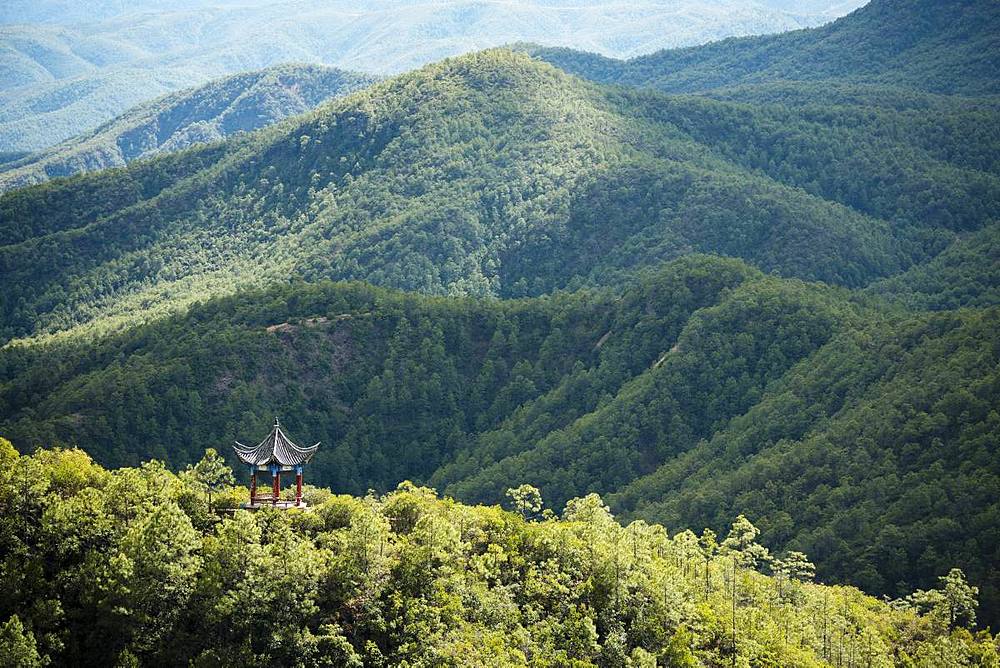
x: 132, y: 567
x: 775, y: 294
x: 967, y: 273
x: 240, y: 103
x: 494, y: 174
x: 950, y: 46
x: 673, y: 396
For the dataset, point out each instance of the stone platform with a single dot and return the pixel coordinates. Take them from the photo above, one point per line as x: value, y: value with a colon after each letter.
x: 282, y: 504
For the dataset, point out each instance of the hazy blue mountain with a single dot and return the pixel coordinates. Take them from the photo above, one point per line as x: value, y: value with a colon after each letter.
x: 239, y: 103
x: 66, y: 12
x: 66, y: 67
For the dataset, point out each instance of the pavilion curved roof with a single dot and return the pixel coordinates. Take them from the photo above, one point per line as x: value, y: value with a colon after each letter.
x: 276, y: 448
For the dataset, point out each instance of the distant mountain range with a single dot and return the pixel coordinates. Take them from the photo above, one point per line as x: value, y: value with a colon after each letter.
x: 64, y: 12
x: 240, y: 103
x: 67, y: 67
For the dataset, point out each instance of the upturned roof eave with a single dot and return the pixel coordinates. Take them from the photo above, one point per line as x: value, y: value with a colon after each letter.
x: 276, y: 448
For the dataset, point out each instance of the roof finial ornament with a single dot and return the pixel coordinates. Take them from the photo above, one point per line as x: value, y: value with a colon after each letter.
x: 276, y: 421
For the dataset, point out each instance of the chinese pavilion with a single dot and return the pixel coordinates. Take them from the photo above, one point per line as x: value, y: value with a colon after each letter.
x: 276, y: 454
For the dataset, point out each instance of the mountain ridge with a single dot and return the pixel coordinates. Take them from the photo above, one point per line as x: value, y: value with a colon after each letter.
x: 927, y: 45
x: 239, y: 103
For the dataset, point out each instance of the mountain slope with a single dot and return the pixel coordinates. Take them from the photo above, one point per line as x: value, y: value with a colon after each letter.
x: 84, y: 65
x: 362, y: 349
x: 950, y: 46
x: 240, y: 103
x: 706, y: 387
x: 876, y: 455
x: 718, y: 366
x: 967, y: 273
x: 815, y: 376
x: 495, y: 174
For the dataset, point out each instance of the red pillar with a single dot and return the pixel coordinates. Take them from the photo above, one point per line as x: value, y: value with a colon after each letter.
x: 277, y: 487
x: 298, y: 489
x: 253, y: 486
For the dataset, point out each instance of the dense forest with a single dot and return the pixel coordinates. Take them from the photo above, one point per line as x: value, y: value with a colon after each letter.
x: 771, y: 295
x: 139, y: 566
x: 240, y: 103
x: 681, y: 400
x: 495, y: 174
